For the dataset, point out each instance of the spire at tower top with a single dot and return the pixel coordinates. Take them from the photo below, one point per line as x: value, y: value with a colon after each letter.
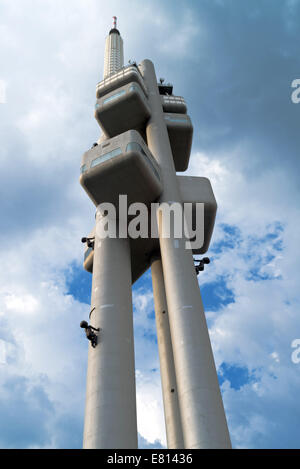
x: 114, y: 28
x: 114, y: 55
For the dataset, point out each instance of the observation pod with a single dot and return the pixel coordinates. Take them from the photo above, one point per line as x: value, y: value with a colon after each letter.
x: 122, y: 165
x: 174, y: 104
x: 180, y: 130
x: 140, y: 253
x: 199, y: 190
x: 193, y: 190
x: 128, y: 100
x: 124, y: 76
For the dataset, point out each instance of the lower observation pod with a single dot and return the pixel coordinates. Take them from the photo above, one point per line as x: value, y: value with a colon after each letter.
x: 128, y: 100
x: 122, y: 165
x: 193, y: 190
x: 180, y: 130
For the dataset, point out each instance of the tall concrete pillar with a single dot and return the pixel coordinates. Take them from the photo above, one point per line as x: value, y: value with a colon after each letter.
x: 110, y: 414
x: 201, y: 407
x: 167, y: 370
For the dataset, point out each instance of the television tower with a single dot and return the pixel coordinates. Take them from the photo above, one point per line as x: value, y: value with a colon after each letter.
x: 147, y: 138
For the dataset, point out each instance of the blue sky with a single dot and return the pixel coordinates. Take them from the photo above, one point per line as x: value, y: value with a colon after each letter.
x: 234, y: 63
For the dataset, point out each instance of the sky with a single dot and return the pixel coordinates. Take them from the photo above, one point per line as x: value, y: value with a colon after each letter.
x: 234, y: 63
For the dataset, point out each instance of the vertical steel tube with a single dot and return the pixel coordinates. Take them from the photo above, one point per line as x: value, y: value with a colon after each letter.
x: 201, y: 407
x: 167, y: 370
x: 110, y: 414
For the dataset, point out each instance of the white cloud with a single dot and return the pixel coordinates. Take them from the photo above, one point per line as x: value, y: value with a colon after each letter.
x: 3, y: 86
x: 149, y: 407
x: 21, y: 304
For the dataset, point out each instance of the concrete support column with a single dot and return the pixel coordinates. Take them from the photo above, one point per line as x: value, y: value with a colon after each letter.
x: 110, y: 414
x: 201, y: 407
x: 167, y: 370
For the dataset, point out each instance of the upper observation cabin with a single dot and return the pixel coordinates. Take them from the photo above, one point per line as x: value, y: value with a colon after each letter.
x: 123, y: 109
x: 129, y: 73
x: 121, y: 165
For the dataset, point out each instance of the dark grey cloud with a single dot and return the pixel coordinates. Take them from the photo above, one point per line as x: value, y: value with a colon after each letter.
x: 238, y: 82
x: 235, y: 73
